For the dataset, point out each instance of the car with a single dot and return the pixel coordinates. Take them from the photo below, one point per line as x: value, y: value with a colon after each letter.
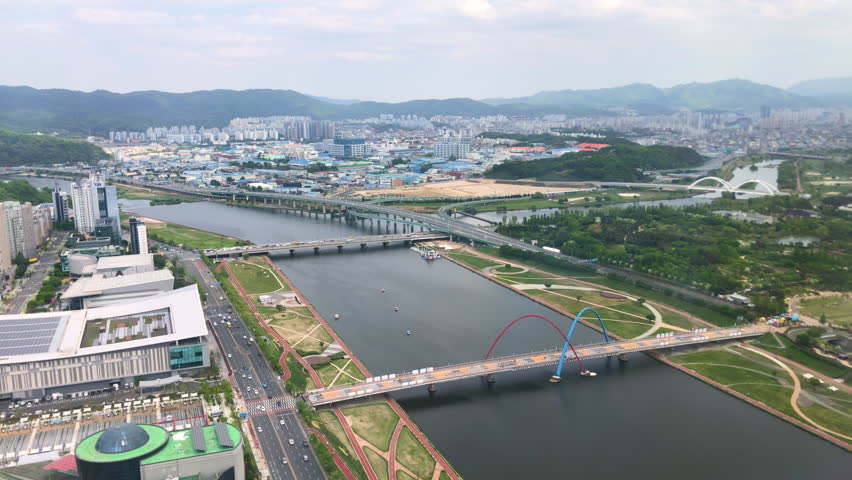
x: 305, y: 443
x: 249, y: 377
x: 229, y: 355
x: 259, y: 429
x: 262, y: 408
x: 305, y: 458
x: 281, y: 422
x: 291, y: 441
x: 244, y: 375
x: 284, y: 461
x: 215, y: 324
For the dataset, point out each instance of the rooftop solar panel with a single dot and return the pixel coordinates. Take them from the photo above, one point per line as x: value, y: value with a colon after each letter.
x: 27, y: 336
x: 223, y: 435
x: 197, y: 433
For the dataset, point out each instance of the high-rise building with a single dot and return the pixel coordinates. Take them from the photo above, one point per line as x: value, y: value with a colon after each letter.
x: 5, y: 249
x: 19, y: 229
x: 60, y: 205
x: 138, y: 236
x: 447, y: 146
x: 347, y: 147
x: 94, y: 200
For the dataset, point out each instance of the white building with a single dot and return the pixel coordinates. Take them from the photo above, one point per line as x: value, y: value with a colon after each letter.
x: 99, y: 290
x: 83, y: 200
x: 158, y: 335
x: 447, y: 146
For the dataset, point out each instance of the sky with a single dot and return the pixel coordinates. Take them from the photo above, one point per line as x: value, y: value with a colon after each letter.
x: 394, y: 50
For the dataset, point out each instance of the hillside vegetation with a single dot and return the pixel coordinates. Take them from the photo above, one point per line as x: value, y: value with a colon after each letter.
x: 551, y: 140
x: 618, y: 163
x: 18, y: 149
x: 22, y: 191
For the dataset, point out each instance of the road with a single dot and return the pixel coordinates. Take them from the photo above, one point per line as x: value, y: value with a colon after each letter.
x: 250, y: 371
x: 37, y: 274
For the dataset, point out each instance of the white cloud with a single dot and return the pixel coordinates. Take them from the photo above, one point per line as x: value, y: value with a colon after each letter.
x: 479, y: 9
x: 121, y: 17
x: 46, y: 28
x: 364, y: 56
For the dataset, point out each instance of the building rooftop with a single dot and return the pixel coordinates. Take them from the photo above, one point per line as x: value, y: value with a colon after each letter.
x: 98, y: 284
x: 125, y: 261
x: 96, y: 449
x: 60, y: 334
x: 180, y: 444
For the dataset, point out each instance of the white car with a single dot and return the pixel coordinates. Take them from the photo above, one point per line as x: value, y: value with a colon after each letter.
x: 215, y: 324
x: 284, y: 461
x: 229, y: 355
x: 244, y: 375
x: 291, y: 440
x: 262, y: 408
x: 281, y: 422
x: 259, y: 429
x: 249, y: 377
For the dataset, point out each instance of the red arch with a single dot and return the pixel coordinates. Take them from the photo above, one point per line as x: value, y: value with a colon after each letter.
x: 513, y: 322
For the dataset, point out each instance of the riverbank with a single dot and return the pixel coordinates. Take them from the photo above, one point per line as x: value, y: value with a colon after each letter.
x: 826, y: 413
x: 156, y: 197
x: 375, y: 440
x: 181, y: 235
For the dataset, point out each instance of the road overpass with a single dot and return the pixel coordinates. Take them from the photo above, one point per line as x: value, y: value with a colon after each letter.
x: 430, y: 376
x: 317, y: 245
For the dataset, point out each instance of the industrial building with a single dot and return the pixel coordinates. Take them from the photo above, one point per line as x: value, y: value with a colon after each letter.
x: 149, y: 452
x: 151, y: 337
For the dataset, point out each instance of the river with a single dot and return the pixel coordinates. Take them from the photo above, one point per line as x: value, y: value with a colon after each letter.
x: 643, y: 419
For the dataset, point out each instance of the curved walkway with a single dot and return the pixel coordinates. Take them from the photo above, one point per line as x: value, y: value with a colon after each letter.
x: 334, y: 456
x: 797, y: 390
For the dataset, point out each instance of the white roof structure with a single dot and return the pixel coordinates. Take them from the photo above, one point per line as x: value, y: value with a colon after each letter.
x: 53, y: 335
x: 98, y: 284
x: 144, y: 262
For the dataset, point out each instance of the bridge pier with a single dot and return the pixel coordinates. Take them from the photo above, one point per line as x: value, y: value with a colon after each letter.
x: 432, y: 388
x: 622, y: 357
x: 316, y: 250
x: 363, y: 246
x: 339, y: 248
x: 490, y: 378
x: 555, y: 379
x: 385, y: 244
x: 292, y: 252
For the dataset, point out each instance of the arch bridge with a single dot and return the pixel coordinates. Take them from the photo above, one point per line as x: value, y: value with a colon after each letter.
x: 486, y: 368
x: 725, y: 186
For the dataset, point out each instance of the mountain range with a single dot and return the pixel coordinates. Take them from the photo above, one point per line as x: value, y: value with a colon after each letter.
x: 96, y: 113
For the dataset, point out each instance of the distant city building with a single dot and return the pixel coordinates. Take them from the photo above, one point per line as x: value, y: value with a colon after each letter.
x: 19, y: 229
x: 138, y: 236
x: 346, y: 147
x: 5, y: 245
x: 452, y: 146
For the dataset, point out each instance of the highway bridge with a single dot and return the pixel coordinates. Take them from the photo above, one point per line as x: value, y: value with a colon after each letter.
x: 316, y: 245
x: 487, y: 368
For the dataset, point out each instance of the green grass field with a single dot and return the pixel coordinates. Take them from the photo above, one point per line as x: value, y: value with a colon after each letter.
x: 836, y: 308
x: 826, y: 366
x: 472, y: 260
x: 380, y: 465
x: 155, y: 196
x: 174, y: 234
x: 374, y: 423
x: 413, y: 455
x: 256, y: 278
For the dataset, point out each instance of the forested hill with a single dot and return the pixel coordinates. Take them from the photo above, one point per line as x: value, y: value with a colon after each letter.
x: 555, y: 141
x: 618, y: 163
x: 18, y: 149
x: 22, y: 191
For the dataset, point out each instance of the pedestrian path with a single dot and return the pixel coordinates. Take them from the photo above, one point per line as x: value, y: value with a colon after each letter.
x: 270, y: 405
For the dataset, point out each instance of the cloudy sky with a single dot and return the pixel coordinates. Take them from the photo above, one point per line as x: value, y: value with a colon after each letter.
x: 404, y: 49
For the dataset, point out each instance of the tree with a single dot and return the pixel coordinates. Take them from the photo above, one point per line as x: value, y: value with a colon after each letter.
x: 822, y: 319
x: 280, y: 308
x: 215, y: 183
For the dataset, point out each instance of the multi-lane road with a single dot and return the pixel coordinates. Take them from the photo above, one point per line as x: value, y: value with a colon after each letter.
x: 32, y: 281
x: 250, y: 371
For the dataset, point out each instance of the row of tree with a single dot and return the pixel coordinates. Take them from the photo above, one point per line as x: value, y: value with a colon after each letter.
x: 27, y: 149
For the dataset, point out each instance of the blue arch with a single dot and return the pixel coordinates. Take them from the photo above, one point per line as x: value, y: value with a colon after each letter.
x: 571, y: 332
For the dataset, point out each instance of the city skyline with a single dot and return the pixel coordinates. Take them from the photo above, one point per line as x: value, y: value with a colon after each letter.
x: 396, y: 52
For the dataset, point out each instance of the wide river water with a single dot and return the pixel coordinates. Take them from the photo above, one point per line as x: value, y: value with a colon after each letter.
x: 643, y: 419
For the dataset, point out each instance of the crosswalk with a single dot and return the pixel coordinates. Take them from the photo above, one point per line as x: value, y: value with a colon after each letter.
x: 270, y: 405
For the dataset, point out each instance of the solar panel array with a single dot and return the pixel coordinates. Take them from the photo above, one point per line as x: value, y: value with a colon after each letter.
x: 223, y: 435
x: 25, y: 336
x: 197, y: 433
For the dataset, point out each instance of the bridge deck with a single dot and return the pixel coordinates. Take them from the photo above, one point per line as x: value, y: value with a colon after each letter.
x: 427, y: 376
x: 310, y: 245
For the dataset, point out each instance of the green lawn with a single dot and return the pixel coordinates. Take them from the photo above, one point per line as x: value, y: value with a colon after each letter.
x: 826, y: 366
x: 830, y: 419
x: 836, y: 308
x: 413, y: 455
x: 374, y: 423
x: 380, y: 465
x: 255, y: 278
x: 328, y: 424
x: 175, y: 234
x: 156, y: 197
x: 472, y: 260
x: 588, y: 199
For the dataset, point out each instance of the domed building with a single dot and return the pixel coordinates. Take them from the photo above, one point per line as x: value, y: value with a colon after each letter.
x: 149, y: 452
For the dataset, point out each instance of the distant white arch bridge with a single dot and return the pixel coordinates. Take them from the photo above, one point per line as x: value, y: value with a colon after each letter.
x: 725, y: 186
